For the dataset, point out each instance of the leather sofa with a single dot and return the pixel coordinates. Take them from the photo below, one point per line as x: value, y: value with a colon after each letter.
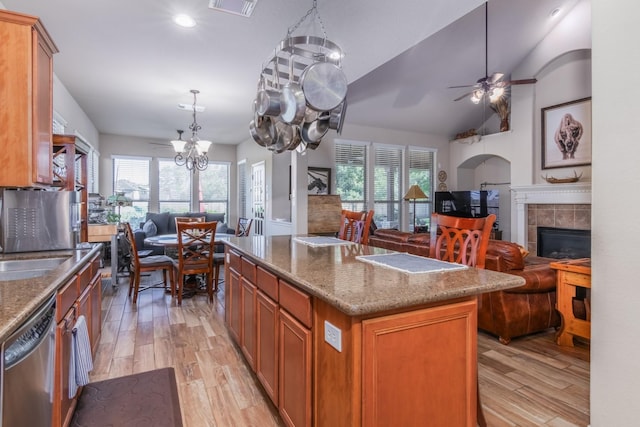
x: 157, y: 224
x: 506, y: 314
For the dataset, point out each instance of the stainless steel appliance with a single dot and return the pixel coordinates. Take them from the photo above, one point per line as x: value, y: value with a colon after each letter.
x: 27, y: 370
x: 38, y: 220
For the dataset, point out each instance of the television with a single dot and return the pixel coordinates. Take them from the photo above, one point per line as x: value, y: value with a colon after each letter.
x: 467, y: 204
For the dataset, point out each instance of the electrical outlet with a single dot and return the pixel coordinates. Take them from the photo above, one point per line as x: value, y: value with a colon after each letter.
x: 333, y: 336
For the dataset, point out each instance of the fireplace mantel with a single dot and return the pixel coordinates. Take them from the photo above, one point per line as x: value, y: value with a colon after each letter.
x: 523, y: 195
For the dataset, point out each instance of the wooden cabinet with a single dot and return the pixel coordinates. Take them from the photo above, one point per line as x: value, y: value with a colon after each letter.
x: 420, y: 381
x: 234, y: 307
x: 294, y: 380
x: 81, y: 296
x: 248, y: 321
x: 267, y: 332
x: 26, y: 55
x: 63, y: 406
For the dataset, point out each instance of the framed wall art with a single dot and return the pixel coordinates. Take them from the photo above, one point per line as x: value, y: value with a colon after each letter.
x: 318, y: 180
x: 566, y: 134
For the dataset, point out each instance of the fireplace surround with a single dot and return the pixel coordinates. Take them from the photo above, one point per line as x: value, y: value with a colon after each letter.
x: 549, y: 205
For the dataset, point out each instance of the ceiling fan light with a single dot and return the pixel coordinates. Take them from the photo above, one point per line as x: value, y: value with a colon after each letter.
x: 495, y: 94
x: 477, y: 96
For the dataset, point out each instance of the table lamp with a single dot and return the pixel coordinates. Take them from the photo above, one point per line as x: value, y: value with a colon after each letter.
x: 415, y: 192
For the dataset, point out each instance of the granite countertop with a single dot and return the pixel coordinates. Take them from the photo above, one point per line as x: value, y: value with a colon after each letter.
x: 20, y: 298
x: 335, y: 275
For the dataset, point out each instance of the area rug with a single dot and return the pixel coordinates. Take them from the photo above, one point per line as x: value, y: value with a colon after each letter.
x: 144, y: 399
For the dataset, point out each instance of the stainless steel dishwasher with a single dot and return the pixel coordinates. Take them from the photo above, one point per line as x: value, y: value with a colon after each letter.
x: 27, y: 370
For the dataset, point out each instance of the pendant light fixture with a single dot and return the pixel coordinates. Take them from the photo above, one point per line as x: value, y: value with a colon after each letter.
x: 192, y: 153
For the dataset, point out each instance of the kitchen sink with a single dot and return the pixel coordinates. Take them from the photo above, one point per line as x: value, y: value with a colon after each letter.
x: 28, y: 268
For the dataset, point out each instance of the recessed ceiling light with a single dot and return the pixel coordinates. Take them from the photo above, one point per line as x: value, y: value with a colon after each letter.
x: 184, y: 21
x: 555, y: 12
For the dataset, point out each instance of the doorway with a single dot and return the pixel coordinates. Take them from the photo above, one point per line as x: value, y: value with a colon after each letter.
x: 257, y: 197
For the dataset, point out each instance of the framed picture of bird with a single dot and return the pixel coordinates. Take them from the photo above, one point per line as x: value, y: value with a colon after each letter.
x: 318, y: 180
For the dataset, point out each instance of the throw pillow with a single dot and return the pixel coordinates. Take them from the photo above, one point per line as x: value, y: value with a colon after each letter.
x: 150, y: 228
x: 221, y: 228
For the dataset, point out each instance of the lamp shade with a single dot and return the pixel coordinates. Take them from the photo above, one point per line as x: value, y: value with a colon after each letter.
x: 415, y: 192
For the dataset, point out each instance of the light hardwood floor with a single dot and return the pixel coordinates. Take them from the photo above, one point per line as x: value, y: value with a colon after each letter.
x: 530, y: 382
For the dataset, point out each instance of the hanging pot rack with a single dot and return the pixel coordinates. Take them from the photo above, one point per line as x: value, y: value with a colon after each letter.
x: 295, y: 54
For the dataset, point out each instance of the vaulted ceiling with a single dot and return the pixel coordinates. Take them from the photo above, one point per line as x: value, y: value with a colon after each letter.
x: 129, y: 66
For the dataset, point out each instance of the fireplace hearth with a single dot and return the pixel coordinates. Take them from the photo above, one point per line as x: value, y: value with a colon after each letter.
x: 563, y: 243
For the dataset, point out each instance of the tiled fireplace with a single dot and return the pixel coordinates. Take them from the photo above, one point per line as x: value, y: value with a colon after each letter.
x: 565, y: 206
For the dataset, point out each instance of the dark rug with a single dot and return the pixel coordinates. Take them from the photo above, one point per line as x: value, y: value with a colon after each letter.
x: 144, y: 399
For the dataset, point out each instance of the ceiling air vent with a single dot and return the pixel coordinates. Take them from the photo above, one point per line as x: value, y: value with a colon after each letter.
x: 237, y: 7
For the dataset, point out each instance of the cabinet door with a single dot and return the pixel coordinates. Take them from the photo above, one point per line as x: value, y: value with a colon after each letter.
x: 267, y: 344
x: 26, y: 79
x: 96, y: 312
x: 84, y: 308
x: 248, y: 321
x: 234, y: 305
x: 42, y: 113
x: 294, y: 372
x: 421, y: 381
x: 62, y: 405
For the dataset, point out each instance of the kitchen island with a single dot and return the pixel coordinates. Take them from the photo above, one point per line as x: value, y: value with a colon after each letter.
x: 337, y: 340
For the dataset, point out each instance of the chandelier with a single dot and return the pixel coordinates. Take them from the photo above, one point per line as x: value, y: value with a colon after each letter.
x: 192, y: 153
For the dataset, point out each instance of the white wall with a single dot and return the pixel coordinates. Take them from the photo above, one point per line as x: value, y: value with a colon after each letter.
x: 77, y: 122
x: 615, y: 327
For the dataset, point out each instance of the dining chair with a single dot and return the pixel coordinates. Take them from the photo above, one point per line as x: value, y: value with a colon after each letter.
x: 462, y: 241
x: 196, y: 241
x: 188, y: 219
x: 355, y: 226
x: 244, y: 227
x: 139, y: 265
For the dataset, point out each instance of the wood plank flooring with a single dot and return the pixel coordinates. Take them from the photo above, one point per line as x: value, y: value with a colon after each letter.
x: 530, y: 382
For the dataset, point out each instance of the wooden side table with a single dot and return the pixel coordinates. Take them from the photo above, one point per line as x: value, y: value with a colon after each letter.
x: 572, y: 274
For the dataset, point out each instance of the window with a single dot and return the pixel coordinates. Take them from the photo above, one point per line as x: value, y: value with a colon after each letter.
x: 351, y: 161
x: 213, y: 190
x: 377, y: 176
x: 242, y: 189
x: 131, y: 177
x: 421, y: 173
x: 387, y: 185
x: 174, y: 187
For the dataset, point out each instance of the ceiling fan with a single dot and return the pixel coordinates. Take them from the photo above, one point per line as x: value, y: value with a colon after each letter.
x: 490, y: 85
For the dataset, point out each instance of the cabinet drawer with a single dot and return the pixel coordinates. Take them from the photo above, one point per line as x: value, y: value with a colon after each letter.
x: 248, y: 270
x: 267, y: 283
x: 84, y: 277
x: 233, y: 260
x: 66, y: 297
x: 95, y: 265
x: 296, y: 302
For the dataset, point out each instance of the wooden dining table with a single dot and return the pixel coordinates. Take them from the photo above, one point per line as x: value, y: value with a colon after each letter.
x: 170, y: 244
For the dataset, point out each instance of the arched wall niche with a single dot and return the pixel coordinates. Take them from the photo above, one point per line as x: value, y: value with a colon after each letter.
x: 489, y: 172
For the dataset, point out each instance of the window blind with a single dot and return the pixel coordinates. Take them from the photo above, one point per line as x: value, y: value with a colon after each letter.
x: 387, y: 185
x: 351, y: 175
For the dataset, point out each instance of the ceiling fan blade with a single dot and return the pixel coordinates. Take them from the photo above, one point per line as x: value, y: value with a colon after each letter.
x: 522, y: 82
x: 495, y: 77
x: 463, y: 96
x: 456, y: 87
